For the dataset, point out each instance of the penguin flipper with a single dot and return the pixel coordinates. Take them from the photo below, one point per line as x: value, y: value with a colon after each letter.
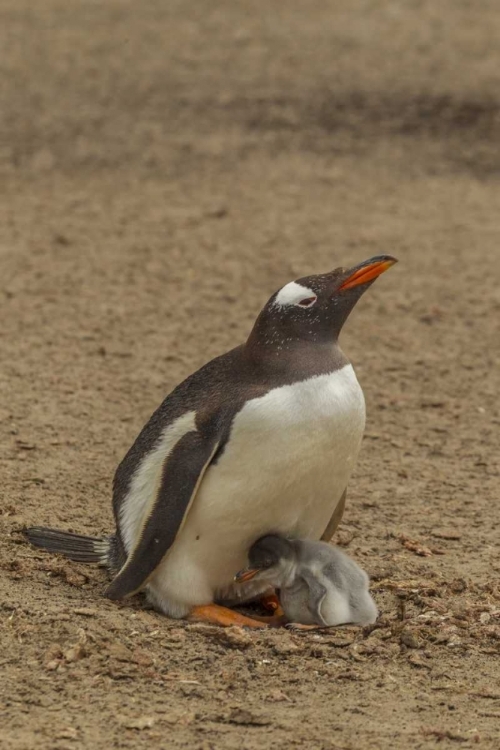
x: 182, y: 474
x: 317, y: 593
x: 335, y: 520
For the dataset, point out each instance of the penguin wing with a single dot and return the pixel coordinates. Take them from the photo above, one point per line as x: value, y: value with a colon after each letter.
x: 182, y: 474
x: 335, y: 519
x: 317, y: 593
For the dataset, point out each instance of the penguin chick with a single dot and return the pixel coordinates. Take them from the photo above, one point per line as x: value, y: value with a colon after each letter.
x: 319, y: 584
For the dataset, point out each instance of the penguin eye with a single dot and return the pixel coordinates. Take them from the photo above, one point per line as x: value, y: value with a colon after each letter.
x: 307, y: 302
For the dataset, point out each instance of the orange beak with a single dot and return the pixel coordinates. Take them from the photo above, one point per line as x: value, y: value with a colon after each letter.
x: 245, y: 575
x: 367, y: 271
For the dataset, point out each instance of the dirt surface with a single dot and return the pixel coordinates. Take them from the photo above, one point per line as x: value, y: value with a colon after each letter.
x: 164, y: 167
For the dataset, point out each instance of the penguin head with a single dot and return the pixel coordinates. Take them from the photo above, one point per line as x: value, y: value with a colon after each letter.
x: 315, y: 308
x: 271, y: 558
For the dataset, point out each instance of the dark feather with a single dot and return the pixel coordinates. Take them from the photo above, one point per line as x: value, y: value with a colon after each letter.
x: 86, y: 549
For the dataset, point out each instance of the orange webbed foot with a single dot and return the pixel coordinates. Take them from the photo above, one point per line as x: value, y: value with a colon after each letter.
x: 217, y: 615
x: 271, y: 603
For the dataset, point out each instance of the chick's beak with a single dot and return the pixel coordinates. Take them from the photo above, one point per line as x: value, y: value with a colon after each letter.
x: 245, y: 575
x: 367, y: 271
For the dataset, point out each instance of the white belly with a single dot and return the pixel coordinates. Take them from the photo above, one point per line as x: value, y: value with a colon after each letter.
x: 284, y: 469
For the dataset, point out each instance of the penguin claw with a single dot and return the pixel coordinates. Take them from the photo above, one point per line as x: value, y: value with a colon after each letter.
x: 300, y: 626
x: 275, y: 621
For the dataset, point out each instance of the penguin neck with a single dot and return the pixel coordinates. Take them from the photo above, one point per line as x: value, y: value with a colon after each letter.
x: 289, y: 572
x: 283, y: 574
x: 293, y: 359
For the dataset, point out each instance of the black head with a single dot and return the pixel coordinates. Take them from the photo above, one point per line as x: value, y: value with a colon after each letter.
x: 267, y: 555
x: 315, y: 308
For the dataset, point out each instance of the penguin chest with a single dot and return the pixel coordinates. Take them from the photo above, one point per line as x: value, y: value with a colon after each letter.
x: 284, y: 468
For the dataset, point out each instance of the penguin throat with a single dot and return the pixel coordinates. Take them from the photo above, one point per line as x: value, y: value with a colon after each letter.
x: 294, y: 359
x: 288, y: 573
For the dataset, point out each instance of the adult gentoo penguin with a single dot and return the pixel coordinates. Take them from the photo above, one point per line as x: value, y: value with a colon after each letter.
x: 319, y: 584
x: 261, y: 439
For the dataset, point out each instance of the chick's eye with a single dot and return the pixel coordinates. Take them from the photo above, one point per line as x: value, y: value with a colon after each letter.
x: 307, y: 302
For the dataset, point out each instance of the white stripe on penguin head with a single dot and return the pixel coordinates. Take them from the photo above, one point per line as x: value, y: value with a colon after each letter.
x: 292, y: 294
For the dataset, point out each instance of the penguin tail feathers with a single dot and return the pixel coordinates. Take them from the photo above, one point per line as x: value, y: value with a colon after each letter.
x: 85, y: 549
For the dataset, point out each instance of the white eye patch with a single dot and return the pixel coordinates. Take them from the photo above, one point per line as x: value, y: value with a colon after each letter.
x: 295, y: 294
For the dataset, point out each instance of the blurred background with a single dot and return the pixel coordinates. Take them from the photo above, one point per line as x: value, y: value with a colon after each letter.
x: 164, y: 168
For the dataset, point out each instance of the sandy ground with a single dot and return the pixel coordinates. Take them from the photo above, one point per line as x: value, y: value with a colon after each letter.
x: 164, y: 167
